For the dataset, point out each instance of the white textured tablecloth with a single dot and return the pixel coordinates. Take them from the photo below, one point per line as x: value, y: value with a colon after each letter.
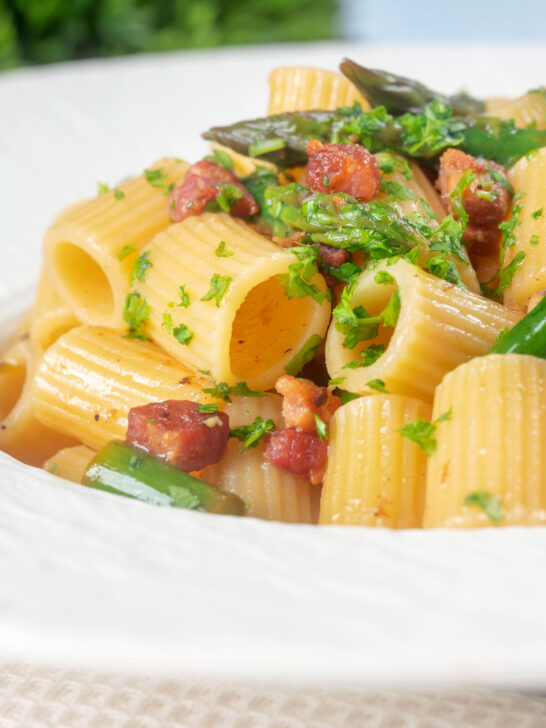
x: 49, y: 698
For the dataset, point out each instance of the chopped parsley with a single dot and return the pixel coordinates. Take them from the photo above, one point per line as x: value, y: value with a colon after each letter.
x: 126, y: 251
x: 422, y: 432
x: 221, y: 251
x: 397, y: 191
x: 265, y: 146
x: 135, y: 313
x: 157, y: 177
x: 391, y: 312
x: 355, y: 323
x: 346, y: 396
x: 383, y: 277
x: 456, y: 197
x: 228, y: 196
x: 184, y: 297
x: 322, y: 428
x: 208, y: 409
x: 388, y: 164
x: 119, y: 194
x: 221, y: 390
x: 506, y: 276
x: 368, y: 356
x: 304, y: 355
x: 168, y: 323
x: 336, y: 382
x: 52, y: 468
x: 219, y: 156
x: 489, y: 503
x: 250, y: 435
x: 508, y: 227
x: 218, y: 287
x: 140, y: 266
x: 102, y: 188
x: 297, y: 282
x: 534, y: 240
x: 377, y: 384
x: 182, y: 334
x: 536, y: 214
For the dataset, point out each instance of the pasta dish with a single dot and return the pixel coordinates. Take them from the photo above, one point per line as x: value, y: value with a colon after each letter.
x: 338, y: 316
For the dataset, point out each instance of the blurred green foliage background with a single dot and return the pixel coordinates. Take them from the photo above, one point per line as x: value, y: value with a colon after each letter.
x: 45, y: 31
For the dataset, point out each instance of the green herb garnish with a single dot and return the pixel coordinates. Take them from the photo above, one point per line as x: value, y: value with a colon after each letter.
x: 321, y: 427
x: 135, y: 313
x: 218, y: 287
x: 182, y: 334
x: 221, y: 251
x: 250, y: 435
x: 140, y: 266
x: 489, y: 503
x: 422, y: 432
x: 126, y: 251
x: 304, y: 355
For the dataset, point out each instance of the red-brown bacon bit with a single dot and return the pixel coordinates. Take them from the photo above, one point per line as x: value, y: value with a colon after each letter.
x: 303, y: 400
x: 202, y: 184
x: 348, y: 168
x: 300, y: 452
x: 482, y: 234
x: 177, y: 432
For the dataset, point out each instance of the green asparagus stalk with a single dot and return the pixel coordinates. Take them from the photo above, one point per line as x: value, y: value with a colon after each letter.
x: 125, y: 470
x: 400, y: 95
x: 282, y: 138
x: 528, y: 336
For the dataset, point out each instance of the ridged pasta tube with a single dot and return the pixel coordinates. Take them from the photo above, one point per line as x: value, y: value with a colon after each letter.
x: 89, y: 379
x: 375, y: 477
x: 493, y: 443
x: 251, y: 330
x: 51, y: 316
x: 70, y: 463
x: 297, y: 88
x: 419, y: 187
x: 439, y: 327
x: 527, y: 109
x: 272, y: 494
x: 21, y: 434
x: 528, y: 175
x: 90, y: 249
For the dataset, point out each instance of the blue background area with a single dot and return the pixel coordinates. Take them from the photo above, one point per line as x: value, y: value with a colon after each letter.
x: 438, y: 20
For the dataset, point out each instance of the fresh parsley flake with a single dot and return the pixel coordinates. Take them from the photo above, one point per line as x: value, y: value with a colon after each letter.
x: 228, y: 196
x: 157, y: 177
x: 383, y: 277
x: 456, y: 197
x: 368, y: 356
x: 218, y: 287
x: 346, y: 396
x: 377, y: 384
x: 536, y: 214
x: 322, y: 428
x: 53, y: 468
x: 221, y: 390
x: 119, y: 194
x: 422, y: 432
x: 102, y: 188
x: 140, y: 266
x: 208, y: 409
x: 221, y: 251
x: 391, y: 312
x: 336, y: 382
x: 135, y: 313
x: 250, y: 435
x: 126, y: 251
x: 489, y: 503
x: 534, y: 240
x: 221, y: 157
x: 184, y: 297
x: 297, y: 282
x: 304, y: 355
x: 506, y: 276
x: 182, y: 334
x: 151, y: 421
x: 168, y: 323
x: 396, y: 191
x: 356, y: 324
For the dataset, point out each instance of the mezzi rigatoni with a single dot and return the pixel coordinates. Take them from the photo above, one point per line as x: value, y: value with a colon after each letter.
x: 493, y: 444
x: 90, y: 249
x: 272, y: 494
x: 298, y: 88
x: 439, y: 327
x: 524, y: 110
x: 51, y: 316
x: 528, y: 176
x: 22, y: 435
x: 251, y: 329
x: 87, y: 382
x: 375, y: 477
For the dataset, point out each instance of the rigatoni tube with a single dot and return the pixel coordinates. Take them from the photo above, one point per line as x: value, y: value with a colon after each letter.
x: 375, y: 477
x: 297, y: 88
x: 271, y: 494
x: 89, y: 379
x: 490, y: 454
x: 51, y: 316
x: 90, y: 249
x: 439, y: 326
x: 217, y: 302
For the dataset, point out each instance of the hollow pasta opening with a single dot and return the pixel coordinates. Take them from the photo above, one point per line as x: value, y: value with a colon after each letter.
x: 12, y: 381
x: 83, y: 282
x: 268, y: 329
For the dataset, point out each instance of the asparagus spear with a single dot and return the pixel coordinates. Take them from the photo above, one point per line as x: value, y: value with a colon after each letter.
x: 528, y: 336
x: 282, y: 138
x: 125, y: 470
x: 400, y: 95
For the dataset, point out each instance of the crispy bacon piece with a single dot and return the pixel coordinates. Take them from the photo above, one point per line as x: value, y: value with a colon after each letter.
x: 298, y: 451
x: 303, y: 400
x: 348, y: 168
x: 482, y: 234
x: 203, y: 182
x: 177, y: 432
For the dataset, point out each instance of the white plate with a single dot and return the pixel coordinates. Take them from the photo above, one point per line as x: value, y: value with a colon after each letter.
x: 87, y: 578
